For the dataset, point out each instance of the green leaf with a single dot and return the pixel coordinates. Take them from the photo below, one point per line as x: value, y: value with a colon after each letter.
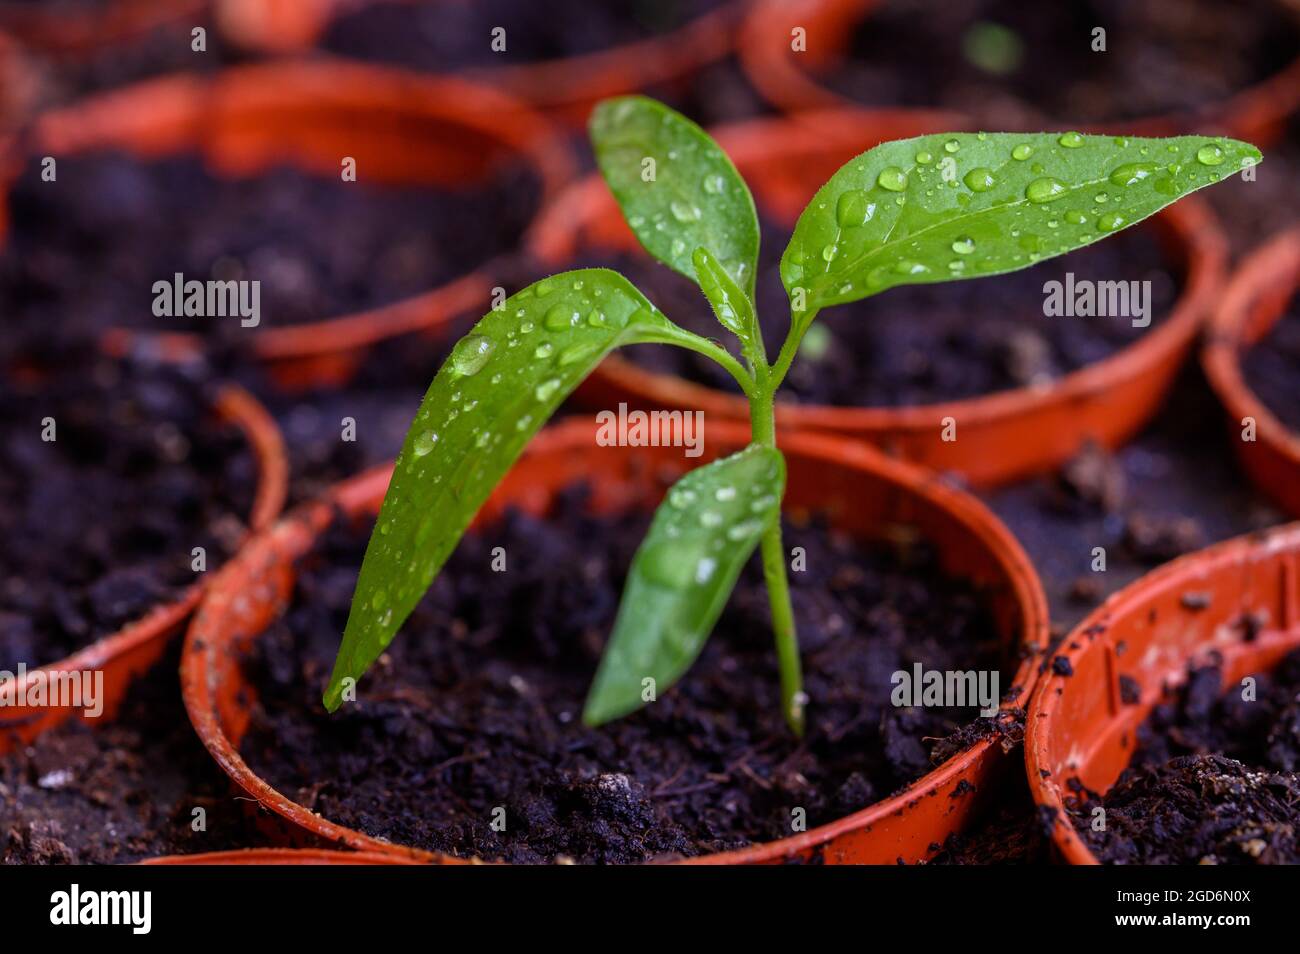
x: 683, y: 573
x: 731, y: 305
x: 963, y: 205
x: 696, y: 197
x: 499, y: 385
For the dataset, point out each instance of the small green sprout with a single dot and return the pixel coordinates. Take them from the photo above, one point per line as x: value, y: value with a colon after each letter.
x: 931, y: 209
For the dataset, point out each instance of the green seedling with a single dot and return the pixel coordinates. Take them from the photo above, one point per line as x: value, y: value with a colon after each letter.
x: 931, y: 209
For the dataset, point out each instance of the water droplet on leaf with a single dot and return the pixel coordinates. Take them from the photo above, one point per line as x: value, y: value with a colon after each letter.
x: 471, y: 353
x: 1044, y: 190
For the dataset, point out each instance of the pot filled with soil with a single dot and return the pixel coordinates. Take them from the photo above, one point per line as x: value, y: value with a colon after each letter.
x: 469, y: 743
x: 178, y: 191
x: 1252, y: 358
x: 1164, y: 729
x: 126, y: 485
x: 1145, y: 68
x: 1024, y: 390
x: 560, y: 58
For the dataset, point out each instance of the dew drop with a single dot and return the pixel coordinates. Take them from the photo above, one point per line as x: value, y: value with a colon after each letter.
x: 963, y: 246
x: 684, y: 212
x: 1022, y: 152
x: 892, y: 178
x: 924, y: 158
x: 561, y: 316
x: 854, y: 208
x: 1209, y: 155
x: 471, y: 353
x: 979, y: 179
x: 1044, y: 190
x: 547, y: 389
x: 1071, y: 140
x: 1131, y: 173
x: 714, y: 184
x: 424, y: 442
x: 952, y: 145
x: 1110, y: 222
x: 543, y: 350
x: 1075, y: 217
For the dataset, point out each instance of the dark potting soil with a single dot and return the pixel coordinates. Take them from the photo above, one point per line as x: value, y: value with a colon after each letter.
x: 1012, y: 65
x: 1008, y: 834
x: 1215, y: 778
x: 921, y: 343
x: 332, y: 433
x: 1173, y: 489
x: 319, y: 247
x: 444, y: 37
x: 100, y: 522
x: 122, y: 791
x: 1272, y: 368
x: 477, y: 705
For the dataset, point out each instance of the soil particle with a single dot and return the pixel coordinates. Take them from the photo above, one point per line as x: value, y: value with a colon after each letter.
x: 1213, y: 781
x: 100, y: 522
x: 477, y: 705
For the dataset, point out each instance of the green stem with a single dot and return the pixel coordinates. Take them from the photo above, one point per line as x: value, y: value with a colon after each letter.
x: 693, y: 342
x: 763, y: 431
x: 790, y: 348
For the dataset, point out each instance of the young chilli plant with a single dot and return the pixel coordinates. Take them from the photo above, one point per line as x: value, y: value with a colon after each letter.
x: 931, y: 209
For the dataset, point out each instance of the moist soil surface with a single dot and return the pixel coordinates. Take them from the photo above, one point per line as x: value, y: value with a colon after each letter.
x: 1215, y: 778
x: 100, y: 522
x: 320, y: 247
x: 477, y: 705
x: 1272, y: 368
x: 920, y: 344
x: 1173, y: 489
x: 122, y: 791
x: 1011, y: 65
x: 442, y: 37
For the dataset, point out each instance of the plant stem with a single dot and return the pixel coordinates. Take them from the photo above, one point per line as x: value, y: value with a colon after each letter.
x: 790, y: 348
x: 693, y: 342
x: 763, y: 431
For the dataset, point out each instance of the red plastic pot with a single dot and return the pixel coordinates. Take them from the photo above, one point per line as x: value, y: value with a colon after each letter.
x: 283, y: 856
x: 1005, y: 436
x: 1255, y: 299
x: 132, y: 650
x: 865, y: 493
x: 790, y: 80
x: 400, y: 129
x: 1080, y: 727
